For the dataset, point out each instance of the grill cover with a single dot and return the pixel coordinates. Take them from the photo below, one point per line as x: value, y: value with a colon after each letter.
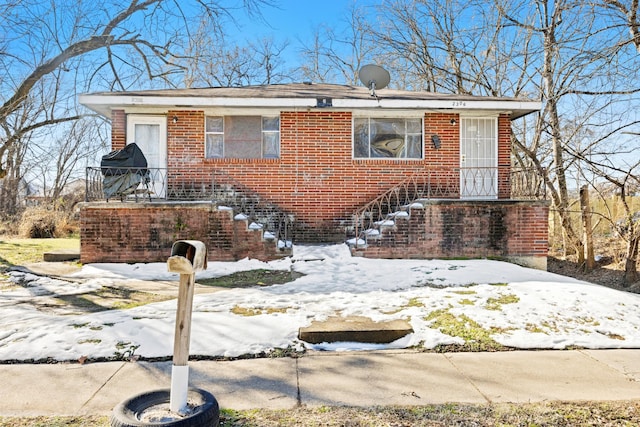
x: 123, y: 170
x: 130, y: 157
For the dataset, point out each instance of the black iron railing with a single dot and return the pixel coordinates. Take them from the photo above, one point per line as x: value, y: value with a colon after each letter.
x: 139, y: 184
x: 160, y: 184
x: 458, y: 183
x: 148, y: 184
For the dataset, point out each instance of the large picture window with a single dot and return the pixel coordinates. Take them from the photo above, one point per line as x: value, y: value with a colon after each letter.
x: 242, y: 137
x: 387, y: 138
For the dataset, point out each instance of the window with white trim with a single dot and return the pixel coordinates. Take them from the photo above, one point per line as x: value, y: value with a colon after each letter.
x: 399, y: 138
x: 242, y: 137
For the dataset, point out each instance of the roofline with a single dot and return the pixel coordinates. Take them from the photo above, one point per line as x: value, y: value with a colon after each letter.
x: 105, y: 103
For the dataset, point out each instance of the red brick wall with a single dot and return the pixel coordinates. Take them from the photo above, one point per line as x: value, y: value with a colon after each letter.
x: 145, y: 232
x: 316, y: 178
x: 504, y: 157
x: 449, y: 229
x: 118, y: 129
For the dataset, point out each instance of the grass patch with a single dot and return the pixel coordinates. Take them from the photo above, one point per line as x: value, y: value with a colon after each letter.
x: 550, y: 325
x: 414, y: 302
x: 497, y: 303
x: 530, y: 327
x: 80, y: 325
x: 464, y: 292
x: 25, y: 251
x: 125, y: 350
x: 90, y: 341
x: 617, y: 413
x: 246, y: 279
x: 248, y: 312
x: 476, y: 338
x: 106, y: 298
x: 612, y: 336
x: 123, y: 298
x: 76, y: 421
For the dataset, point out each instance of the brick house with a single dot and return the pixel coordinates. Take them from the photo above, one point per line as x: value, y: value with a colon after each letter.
x: 247, y: 170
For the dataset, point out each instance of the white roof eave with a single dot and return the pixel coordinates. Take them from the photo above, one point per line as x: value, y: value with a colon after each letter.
x: 105, y: 103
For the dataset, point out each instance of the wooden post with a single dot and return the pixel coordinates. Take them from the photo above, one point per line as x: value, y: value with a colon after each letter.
x: 187, y: 257
x: 182, y: 338
x: 585, y: 208
x: 182, y: 334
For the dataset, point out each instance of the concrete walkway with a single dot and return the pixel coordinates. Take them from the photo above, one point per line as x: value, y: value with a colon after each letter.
x: 354, y: 378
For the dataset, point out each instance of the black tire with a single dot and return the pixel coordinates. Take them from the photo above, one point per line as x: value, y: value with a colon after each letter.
x: 205, y: 413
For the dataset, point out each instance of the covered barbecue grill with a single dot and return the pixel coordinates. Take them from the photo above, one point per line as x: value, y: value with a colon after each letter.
x: 123, y: 171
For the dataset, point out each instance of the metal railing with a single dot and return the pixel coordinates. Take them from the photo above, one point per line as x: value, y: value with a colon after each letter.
x: 148, y: 184
x: 478, y: 183
x: 528, y: 184
x: 141, y: 184
x: 144, y: 184
x: 458, y: 183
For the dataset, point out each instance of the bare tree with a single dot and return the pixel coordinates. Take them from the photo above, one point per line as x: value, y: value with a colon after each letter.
x: 66, y: 155
x: 231, y: 64
x: 452, y: 46
x: 625, y: 179
x: 581, y: 83
x: 628, y: 13
x: 50, y: 50
x: 337, y: 54
x: 571, y: 55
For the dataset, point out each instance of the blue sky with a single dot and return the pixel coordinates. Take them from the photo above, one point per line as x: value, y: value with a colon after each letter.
x: 298, y: 18
x: 295, y: 20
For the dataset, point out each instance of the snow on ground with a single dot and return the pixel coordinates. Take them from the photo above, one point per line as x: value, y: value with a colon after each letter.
x: 524, y: 308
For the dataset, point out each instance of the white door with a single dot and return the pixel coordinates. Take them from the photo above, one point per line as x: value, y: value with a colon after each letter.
x: 478, y: 158
x: 150, y: 133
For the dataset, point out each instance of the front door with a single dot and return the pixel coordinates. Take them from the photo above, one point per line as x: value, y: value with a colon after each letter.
x: 478, y: 158
x: 150, y: 133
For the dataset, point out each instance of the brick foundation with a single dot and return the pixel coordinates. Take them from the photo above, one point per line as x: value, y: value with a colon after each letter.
x: 145, y: 232
x: 510, y: 230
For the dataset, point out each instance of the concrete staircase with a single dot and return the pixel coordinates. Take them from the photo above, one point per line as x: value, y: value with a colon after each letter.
x: 403, y: 225
x: 255, y: 208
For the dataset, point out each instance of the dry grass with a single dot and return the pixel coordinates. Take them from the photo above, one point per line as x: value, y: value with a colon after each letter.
x: 15, y: 251
x: 46, y: 222
x: 620, y: 413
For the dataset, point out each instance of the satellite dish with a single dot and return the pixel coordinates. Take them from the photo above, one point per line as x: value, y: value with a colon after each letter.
x: 374, y: 77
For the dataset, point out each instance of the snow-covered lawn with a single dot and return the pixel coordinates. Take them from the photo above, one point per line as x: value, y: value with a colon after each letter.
x: 518, y: 307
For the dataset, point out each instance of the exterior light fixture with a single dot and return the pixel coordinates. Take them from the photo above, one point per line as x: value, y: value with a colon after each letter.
x: 175, y: 119
x: 453, y: 121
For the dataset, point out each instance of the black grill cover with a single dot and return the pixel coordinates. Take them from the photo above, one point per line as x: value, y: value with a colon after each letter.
x: 123, y: 170
x: 130, y: 157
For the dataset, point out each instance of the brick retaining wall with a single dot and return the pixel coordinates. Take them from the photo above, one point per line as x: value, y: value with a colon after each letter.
x: 145, y: 232
x: 505, y: 229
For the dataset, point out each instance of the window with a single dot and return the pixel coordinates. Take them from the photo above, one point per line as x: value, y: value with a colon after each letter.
x: 387, y: 138
x: 242, y: 137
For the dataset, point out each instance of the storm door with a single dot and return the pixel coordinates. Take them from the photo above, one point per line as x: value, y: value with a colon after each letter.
x: 478, y: 158
x: 150, y: 133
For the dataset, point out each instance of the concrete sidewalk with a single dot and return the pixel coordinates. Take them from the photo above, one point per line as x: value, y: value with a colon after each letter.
x: 400, y: 377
